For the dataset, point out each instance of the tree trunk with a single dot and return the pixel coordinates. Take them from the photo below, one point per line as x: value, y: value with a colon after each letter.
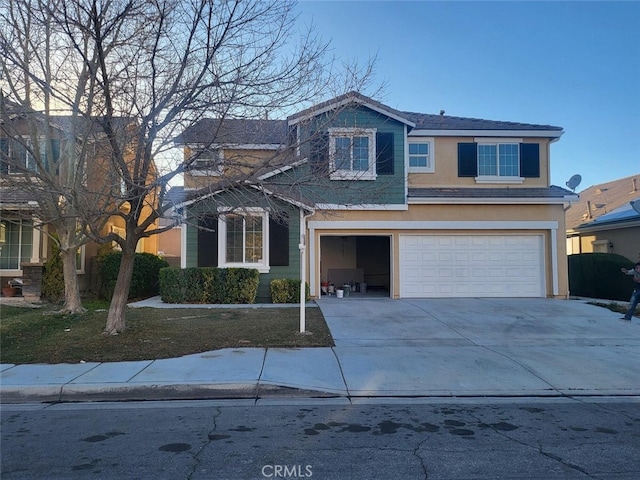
x: 72, y: 301
x: 116, y: 318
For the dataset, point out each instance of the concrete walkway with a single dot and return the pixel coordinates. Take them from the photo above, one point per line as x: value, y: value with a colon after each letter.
x: 383, y: 348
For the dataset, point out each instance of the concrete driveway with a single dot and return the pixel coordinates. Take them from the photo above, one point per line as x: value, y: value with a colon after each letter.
x: 483, y: 347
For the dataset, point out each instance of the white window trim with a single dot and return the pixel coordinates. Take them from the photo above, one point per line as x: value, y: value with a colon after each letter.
x: 432, y: 167
x: 18, y: 271
x: 262, y: 267
x: 343, y: 174
x: 498, y: 178
x: 197, y: 170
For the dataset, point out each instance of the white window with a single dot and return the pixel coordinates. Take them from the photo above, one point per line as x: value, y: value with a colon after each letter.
x: 601, y: 246
x: 242, y: 240
x: 498, y: 161
x: 208, y: 162
x: 421, y: 156
x: 16, y: 245
x: 352, y: 153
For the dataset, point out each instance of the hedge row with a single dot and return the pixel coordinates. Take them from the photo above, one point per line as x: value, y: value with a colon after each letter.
x: 597, y: 275
x: 209, y: 285
x: 145, y: 279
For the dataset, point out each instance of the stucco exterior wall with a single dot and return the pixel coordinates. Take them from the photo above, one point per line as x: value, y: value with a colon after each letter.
x: 520, y: 219
x: 445, y: 154
x: 623, y: 241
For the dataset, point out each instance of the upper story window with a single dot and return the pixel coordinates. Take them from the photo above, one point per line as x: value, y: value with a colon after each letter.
x: 421, y: 156
x: 208, y: 162
x: 19, y: 156
x: 498, y: 160
x: 352, y: 153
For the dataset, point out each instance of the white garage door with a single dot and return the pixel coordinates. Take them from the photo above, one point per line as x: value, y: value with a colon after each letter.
x: 471, y: 266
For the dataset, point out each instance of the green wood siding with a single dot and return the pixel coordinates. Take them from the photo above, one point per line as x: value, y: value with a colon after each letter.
x: 290, y: 271
x: 386, y: 189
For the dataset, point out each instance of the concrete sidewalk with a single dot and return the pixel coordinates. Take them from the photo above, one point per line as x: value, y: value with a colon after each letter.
x: 384, y: 348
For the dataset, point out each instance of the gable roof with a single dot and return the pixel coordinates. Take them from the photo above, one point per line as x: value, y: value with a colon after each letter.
x: 424, y: 121
x: 274, y: 132
x: 235, y: 131
x: 601, y: 199
x: 350, y: 98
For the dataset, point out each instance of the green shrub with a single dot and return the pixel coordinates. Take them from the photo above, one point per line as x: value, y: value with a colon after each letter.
x: 144, y: 281
x: 241, y: 285
x: 286, y: 290
x: 173, y: 285
x: 597, y: 275
x: 53, y: 277
x: 209, y: 285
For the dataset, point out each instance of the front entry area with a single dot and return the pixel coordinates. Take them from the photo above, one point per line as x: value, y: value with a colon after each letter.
x: 471, y: 266
x: 364, y: 260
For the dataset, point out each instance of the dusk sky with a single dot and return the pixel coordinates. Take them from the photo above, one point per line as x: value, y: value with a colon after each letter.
x: 570, y: 64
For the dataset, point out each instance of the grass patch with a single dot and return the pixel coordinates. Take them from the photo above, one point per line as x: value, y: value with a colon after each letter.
x: 616, y: 307
x: 30, y: 335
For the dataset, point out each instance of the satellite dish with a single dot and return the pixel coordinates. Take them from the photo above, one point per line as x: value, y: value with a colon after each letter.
x: 635, y: 204
x: 574, y: 182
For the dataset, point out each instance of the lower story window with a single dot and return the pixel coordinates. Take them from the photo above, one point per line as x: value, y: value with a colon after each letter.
x: 244, y: 240
x: 17, y: 245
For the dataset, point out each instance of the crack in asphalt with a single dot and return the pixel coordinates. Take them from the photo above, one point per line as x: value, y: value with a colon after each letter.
x: 416, y: 453
x: 210, y: 438
x: 539, y: 448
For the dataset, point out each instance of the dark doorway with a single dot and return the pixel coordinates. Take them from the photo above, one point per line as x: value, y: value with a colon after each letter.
x: 362, y: 259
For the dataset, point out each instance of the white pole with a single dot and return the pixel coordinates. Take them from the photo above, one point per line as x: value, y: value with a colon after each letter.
x: 301, y: 246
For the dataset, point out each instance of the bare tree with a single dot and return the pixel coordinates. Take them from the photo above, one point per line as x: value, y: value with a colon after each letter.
x: 142, y: 71
x: 50, y: 144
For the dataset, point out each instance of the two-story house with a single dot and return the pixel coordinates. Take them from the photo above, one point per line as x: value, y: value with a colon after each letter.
x: 410, y: 204
x: 25, y: 232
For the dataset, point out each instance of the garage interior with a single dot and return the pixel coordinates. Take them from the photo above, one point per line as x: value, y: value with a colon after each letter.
x: 361, y: 260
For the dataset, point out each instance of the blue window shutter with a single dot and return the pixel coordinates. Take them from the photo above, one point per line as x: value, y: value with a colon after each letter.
x: 384, y: 153
x: 278, y: 242
x: 319, y: 154
x: 208, y: 242
x: 530, y: 160
x: 467, y: 159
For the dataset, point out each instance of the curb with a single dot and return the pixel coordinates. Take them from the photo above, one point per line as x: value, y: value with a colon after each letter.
x: 68, y: 393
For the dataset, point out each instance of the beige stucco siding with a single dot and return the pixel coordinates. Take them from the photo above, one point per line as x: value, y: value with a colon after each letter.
x: 623, y: 241
x: 544, y: 220
x: 445, y: 154
x: 238, y: 163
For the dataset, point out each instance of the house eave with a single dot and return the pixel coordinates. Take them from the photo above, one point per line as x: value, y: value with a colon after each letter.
x: 235, y: 146
x: 489, y: 201
x: 555, y: 134
x: 633, y: 223
x: 346, y: 101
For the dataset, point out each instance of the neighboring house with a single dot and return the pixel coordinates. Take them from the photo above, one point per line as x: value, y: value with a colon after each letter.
x: 170, y: 241
x: 410, y: 204
x: 24, y: 233
x: 603, y: 220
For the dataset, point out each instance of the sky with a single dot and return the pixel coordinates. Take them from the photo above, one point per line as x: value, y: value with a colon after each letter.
x: 573, y: 64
